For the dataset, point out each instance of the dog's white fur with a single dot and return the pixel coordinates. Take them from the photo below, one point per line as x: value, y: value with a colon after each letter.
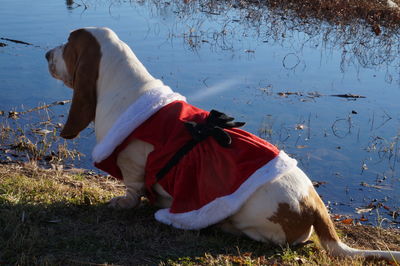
x: 122, y: 80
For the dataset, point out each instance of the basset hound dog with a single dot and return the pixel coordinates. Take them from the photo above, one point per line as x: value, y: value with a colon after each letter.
x: 196, y: 165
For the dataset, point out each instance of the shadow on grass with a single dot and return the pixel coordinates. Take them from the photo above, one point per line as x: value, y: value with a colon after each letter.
x: 71, y: 234
x: 59, y: 217
x: 62, y: 234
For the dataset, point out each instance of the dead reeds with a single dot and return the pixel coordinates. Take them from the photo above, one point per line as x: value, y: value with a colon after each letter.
x: 32, y: 135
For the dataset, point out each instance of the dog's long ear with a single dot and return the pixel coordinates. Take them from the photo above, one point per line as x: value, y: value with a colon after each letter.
x: 82, y: 57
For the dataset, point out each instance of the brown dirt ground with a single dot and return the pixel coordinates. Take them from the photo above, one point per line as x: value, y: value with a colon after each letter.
x: 369, y: 237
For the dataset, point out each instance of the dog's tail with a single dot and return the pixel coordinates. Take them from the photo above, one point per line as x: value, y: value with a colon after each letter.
x: 329, y: 239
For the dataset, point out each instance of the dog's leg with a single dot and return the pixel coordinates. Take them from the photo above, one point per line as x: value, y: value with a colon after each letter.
x: 228, y: 227
x: 132, y: 161
x: 164, y: 200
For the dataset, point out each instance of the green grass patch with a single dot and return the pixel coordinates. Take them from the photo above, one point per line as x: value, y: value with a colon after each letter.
x: 50, y: 217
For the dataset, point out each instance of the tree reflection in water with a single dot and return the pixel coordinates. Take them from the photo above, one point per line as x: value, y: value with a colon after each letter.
x: 366, y: 32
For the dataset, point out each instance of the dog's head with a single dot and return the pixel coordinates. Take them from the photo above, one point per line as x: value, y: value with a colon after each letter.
x: 76, y: 63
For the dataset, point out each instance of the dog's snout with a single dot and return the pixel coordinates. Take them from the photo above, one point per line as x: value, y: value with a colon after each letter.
x: 48, y: 55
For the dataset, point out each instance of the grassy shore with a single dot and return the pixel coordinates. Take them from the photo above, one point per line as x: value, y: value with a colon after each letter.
x: 60, y: 217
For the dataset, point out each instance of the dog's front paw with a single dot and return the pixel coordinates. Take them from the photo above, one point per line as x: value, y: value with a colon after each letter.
x: 124, y: 202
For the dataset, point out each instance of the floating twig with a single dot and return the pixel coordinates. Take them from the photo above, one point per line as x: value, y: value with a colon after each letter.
x: 364, y: 184
x: 317, y: 94
x: 46, y: 106
x: 16, y: 115
x: 16, y: 41
x: 348, y: 95
x: 288, y: 93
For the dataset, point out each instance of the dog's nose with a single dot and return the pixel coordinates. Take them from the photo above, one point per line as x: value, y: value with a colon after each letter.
x: 48, y: 55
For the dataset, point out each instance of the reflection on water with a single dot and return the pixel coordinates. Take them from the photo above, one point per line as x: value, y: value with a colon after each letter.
x: 275, y: 68
x: 221, y: 24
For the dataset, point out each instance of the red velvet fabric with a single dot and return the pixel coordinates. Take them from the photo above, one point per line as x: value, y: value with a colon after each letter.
x: 207, y: 172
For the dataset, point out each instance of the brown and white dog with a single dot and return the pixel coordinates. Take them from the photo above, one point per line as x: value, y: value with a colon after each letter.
x: 107, y: 80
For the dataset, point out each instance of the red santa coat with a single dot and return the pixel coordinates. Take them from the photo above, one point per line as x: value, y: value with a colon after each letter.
x: 210, y: 182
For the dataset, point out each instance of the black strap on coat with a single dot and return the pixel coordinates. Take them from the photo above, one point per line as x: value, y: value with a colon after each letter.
x: 213, y: 126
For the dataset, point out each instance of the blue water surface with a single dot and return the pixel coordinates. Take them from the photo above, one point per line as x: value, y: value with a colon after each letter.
x: 276, y: 78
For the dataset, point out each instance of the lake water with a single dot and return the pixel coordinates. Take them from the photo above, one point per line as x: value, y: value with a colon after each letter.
x: 275, y: 73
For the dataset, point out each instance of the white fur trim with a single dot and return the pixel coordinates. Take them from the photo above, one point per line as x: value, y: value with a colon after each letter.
x: 225, y: 206
x: 148, y: 104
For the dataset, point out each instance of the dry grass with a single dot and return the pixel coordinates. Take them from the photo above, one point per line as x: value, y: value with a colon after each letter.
x: 50, y: 217
x: 33, y: 135
x: 374, y: 12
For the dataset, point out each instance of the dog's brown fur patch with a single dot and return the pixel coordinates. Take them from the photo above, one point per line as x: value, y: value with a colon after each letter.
x: 312, y: 212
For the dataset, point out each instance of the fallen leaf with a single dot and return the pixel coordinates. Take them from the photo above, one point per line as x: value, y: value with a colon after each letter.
x: 364, y: 167
x: 376, y: 29
x: 373, y: 186
x: 337, y: 217
x: 301, y: 146
x: 41, y: 131
x: 363, y: 210
x: 347, y: 221
x: 13, y: 115
x: 318, y: 183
